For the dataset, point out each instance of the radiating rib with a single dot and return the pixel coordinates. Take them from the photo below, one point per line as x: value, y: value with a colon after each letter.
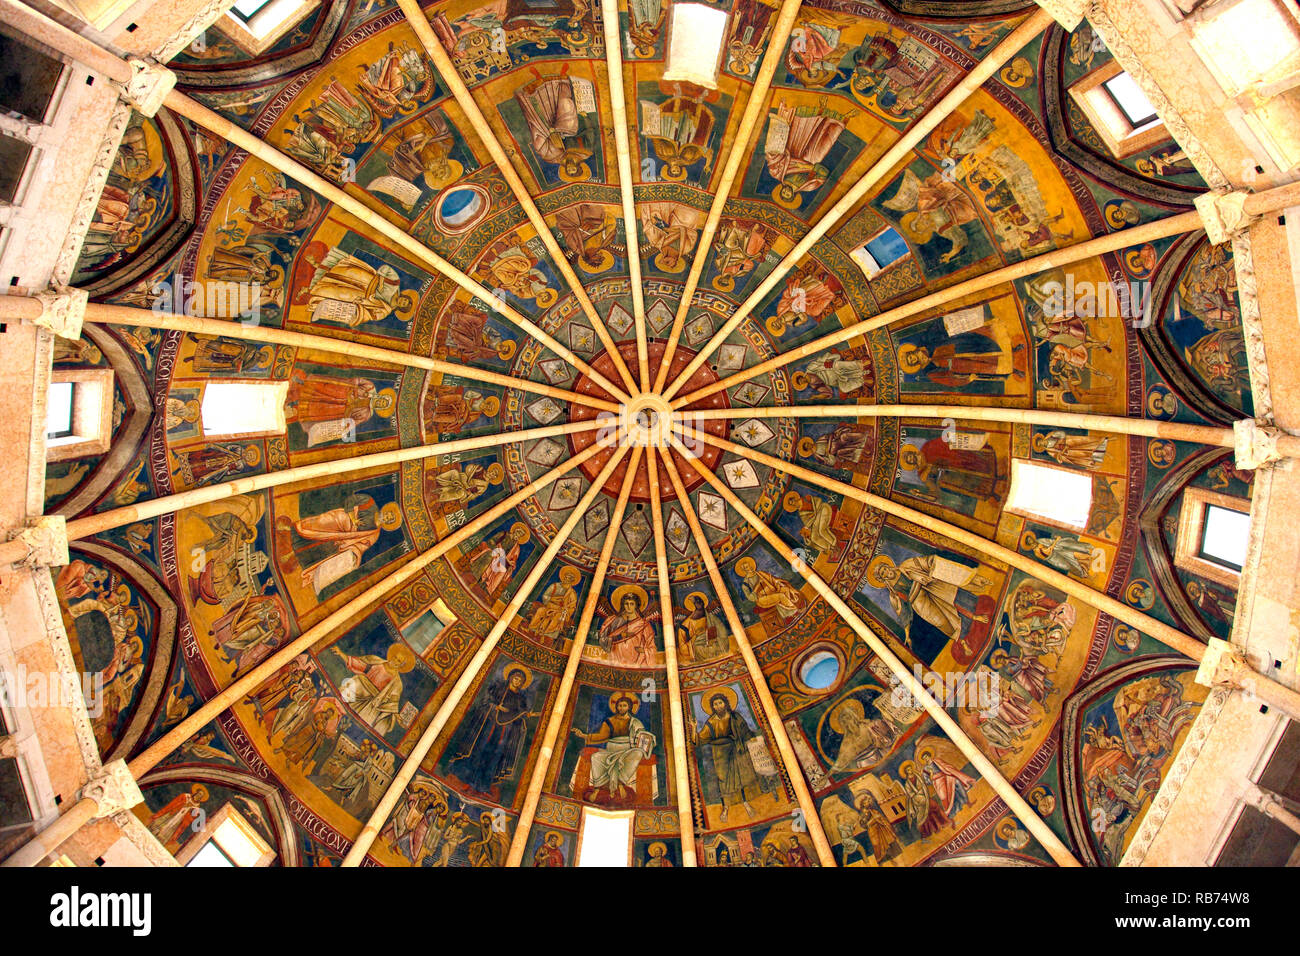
x: 1001, y: 786
x: 469, y: 106
x: 794, y: 772
x: 220, y: 126
x: 97, y: 523
x: 1117, y: 424
x: 470, y: 672
x: 342, y: 617
x: 676, y: 722
x: 519, y: 842
x: 1161, y: 228
x: 154, y: 319
x: 738, y: 152
x: 618, y: 104
x: 77, y: 814
x: 1033, y: 25
x: 1161, y: 631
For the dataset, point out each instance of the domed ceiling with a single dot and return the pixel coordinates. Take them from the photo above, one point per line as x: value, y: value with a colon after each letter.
x: 186, y: 603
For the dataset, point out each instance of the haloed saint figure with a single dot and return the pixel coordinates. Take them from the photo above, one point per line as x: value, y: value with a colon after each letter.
x: 490, y: 752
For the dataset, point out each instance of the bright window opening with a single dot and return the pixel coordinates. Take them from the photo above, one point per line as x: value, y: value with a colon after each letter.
x: 605, y: 838
x: 58, y: 419
x: 1132, y: 102
x: 695, y: 44
x: 245, y: 9
x: 210, y: 855
x: 78, y: 413
x: 819, y: 670
x: 228, y: 840
x: 1225, y: 535
x: 243, y: 408
x: 1056, y: 494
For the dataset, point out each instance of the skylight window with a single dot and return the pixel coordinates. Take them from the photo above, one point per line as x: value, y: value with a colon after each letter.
x: 1224, y: 536
x: 1132, y: 102
x: 243, y: 408
x: 1058, y: 495
x: 1247, y: 42
x: 695, y: 44
x: 605, y: 838
x: 58, y: 419
x: 245, y: 9
x: 228, y: 840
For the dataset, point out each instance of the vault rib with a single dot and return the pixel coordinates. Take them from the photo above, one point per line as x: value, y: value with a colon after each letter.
x: 677, y: 726
x: 618, y: 105
x: 1033, y: 25
x: 25, y: 307
x: 1001, y: 786
x: 519, y: 843
x: 738, y: 152
x: 803, y: 796
x: 465, y: 99
x: 1272, y: 691
x: 77, y: 814
x: 366, y: 838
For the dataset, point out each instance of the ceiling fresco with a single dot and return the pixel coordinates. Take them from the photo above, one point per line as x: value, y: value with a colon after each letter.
x: 177, y: 607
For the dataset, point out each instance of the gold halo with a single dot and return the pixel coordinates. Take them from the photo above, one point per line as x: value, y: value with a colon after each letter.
x: 1017, y: 73
x: 401, y: 657
x: 491, y: 405
x: 906, y: 767
x: 506, y: 350
x: 909, y: 456
x: 998, y: 658
x: 390, y: 516
x: 792, y: 502
x: 512, y: 668
x: 494, y: 473
x: 252, y: 455
x: 905, y: 358
x: 845, y: 704
x: 775, y: 325
x: 873, y: 570
x: 798, y: 381
x: 570, y: 575
x: 552, y: 833
x: 925, y: 754
x: 726, y: 692
x: 696, y: 594
x: 1029, y: 541
x: 546, y: 298
x: 746, y: 566
x: 805, y: 447
x: 519, y: 528
x: 1039, y: 442
x: 626, y: 695
x: 384, y: 403
x: 1006, y: 829
x: 621, y: 592
x: 661, y: 847
x: 199, y: 792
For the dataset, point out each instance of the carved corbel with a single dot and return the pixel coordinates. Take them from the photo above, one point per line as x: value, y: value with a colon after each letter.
x: 148, y: 86
x: 1068, y: 13
x: 1224, y: 215
x: 113, y: 789
x: 1224, y: 665
x: 63, y: 310
x: 46, y: 541
x: 1256, y: 445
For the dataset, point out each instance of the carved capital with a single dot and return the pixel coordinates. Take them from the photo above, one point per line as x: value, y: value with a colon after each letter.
x: 148, y: 86
x: 46, y: 541
x: 1224, y: 215
x: 113, y: 789
x: 1255, y: 444
x: 63, y: 310
x: 1223, y: 665
x: 1068, y: 13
